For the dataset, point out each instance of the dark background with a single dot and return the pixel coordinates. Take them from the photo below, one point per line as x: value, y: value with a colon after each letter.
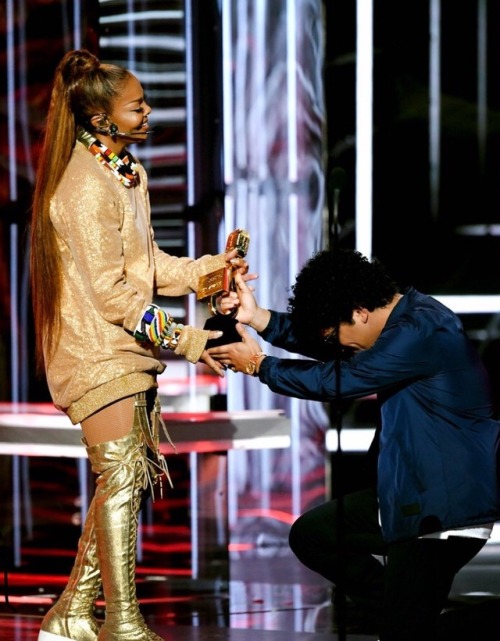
x: 435, y: 253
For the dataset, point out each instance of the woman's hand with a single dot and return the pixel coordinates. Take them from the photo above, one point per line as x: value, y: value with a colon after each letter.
x: 217, y: 367
x: 236, y: 263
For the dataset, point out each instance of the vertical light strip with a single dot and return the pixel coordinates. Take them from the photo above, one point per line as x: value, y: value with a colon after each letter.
x: 227, y: 93
x: 24, y: 145
x: 131, y: 33
x: 11, y: 116
x: 77, y: 24
x: 482, y: 83
x: 259, y: 86
x: 193, y: 493
x: 14, y: 367
x: 190, y: 154
x: 190, y: 173
x: 191, y: 317
x: 242, y: 68
x: 191, y: 251
x: 257, y: 114
x: 192, y: 395
x: 364, y: 125
x: 229, y: 208
x: 291, y: 60
x: 22, y: 116
x: 11, y: 110
x: 190, y: 178
x: 434, y: 104
x: 227, y: 120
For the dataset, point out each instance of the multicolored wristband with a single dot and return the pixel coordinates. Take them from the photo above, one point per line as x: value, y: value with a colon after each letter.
x: 159, y: 328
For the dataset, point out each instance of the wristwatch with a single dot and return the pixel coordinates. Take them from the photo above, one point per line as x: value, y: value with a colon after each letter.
x: 251, y: 366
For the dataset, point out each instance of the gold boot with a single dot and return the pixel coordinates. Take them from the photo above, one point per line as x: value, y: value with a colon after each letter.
x: 72, y: 618
x: 122, y: 470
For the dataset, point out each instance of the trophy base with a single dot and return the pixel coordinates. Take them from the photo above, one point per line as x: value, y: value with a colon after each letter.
x: 226, y: 324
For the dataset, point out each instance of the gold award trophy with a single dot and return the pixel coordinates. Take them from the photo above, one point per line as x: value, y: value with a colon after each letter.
x: 220, y: 282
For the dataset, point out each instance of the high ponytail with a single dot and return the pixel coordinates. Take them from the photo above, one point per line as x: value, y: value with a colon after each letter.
x: 82, y: 87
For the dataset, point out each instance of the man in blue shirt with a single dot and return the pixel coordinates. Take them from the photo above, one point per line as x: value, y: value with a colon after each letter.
x: 437, y: 491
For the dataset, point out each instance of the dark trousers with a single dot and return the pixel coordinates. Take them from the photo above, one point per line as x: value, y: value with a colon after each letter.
x: 406, y: 590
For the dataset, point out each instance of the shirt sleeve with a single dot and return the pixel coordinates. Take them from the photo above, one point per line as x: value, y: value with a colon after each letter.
x: 399, y: 355
x: 176, y: 276
x: 279, y: 333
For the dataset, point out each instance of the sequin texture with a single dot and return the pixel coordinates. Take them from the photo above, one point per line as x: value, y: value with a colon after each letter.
x: 111, y: 270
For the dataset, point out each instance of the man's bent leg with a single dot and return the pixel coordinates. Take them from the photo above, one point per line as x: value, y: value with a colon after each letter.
x: 419, y: 576
x: 341, y: 550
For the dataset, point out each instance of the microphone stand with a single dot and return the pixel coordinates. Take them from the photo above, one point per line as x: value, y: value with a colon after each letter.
x: 336, y: 182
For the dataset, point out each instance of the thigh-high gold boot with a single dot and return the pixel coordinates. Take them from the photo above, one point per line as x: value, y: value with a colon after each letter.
x: 72, y: 617
x: 122, y: 470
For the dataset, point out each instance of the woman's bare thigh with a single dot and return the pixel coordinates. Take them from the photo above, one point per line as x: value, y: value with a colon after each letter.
x: 111, y: 423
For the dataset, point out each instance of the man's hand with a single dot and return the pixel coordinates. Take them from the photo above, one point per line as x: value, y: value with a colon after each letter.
x: 229, y: 302
x: 249, y: 311
x: 236, y: 356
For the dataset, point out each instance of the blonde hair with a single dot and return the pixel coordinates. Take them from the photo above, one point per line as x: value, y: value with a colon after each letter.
x: 83, y: 86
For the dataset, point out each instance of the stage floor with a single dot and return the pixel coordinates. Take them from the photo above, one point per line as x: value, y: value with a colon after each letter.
x: 260, y: 593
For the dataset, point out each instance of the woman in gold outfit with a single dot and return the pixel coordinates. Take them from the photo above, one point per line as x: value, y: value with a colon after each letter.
x: 95, y: 270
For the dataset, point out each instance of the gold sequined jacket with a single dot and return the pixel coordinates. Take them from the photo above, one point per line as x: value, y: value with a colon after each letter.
x: 111, y: 270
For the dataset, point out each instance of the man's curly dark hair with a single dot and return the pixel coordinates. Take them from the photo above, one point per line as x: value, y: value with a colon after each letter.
x: 331, y: 285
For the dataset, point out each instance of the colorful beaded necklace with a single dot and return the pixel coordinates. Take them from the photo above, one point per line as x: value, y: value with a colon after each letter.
x: 122, y: 167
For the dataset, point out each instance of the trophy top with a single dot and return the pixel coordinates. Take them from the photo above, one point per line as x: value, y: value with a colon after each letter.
x: 238, y: 239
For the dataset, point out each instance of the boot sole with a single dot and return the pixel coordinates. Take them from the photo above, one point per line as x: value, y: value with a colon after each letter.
x: 48, y: 636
